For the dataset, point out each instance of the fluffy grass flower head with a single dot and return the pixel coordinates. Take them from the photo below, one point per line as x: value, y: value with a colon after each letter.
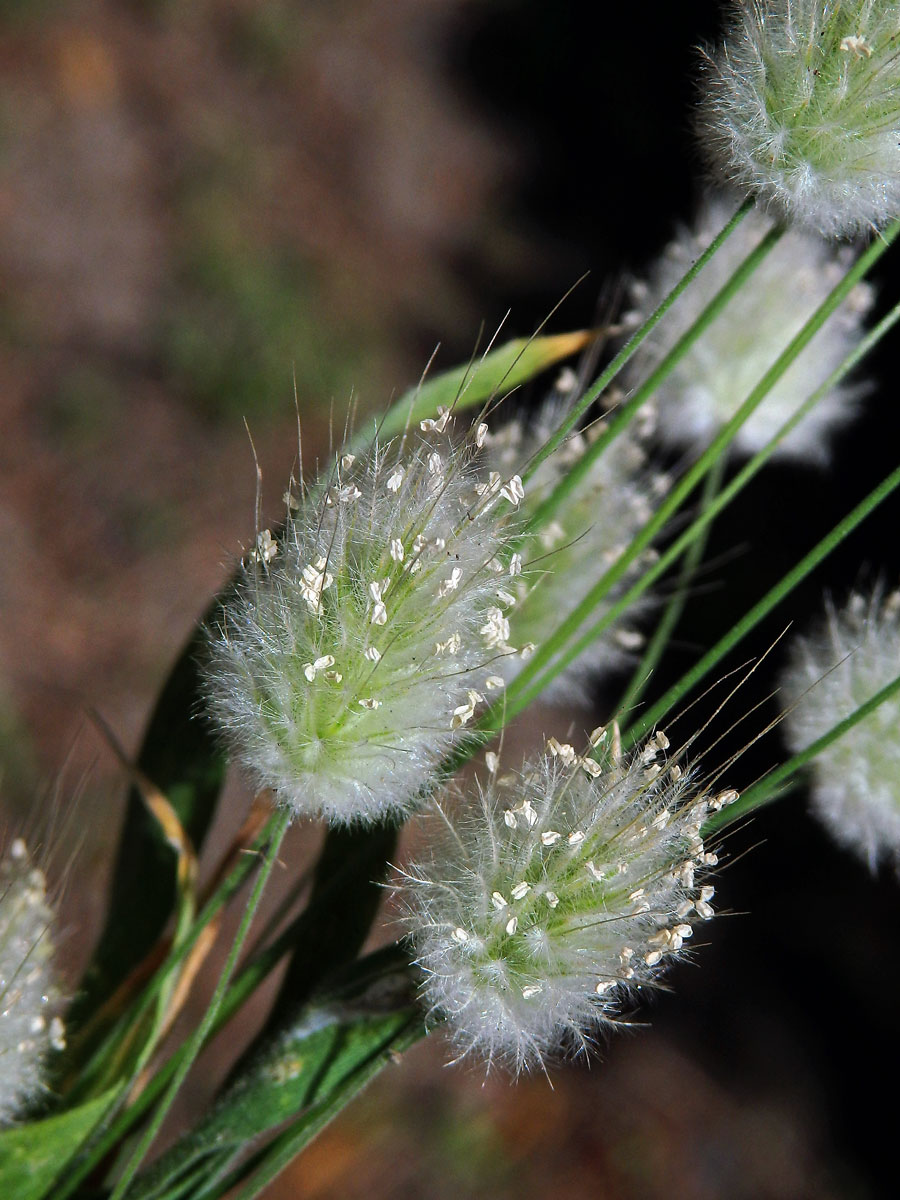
x: 717, y: 374
x: 361, y: 642
x: 851, y: 655
x: 562, y: 890
x: 802, y: 107
x: 29, y: 1030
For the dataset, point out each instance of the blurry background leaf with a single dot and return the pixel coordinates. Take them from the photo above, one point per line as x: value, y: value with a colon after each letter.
x: 183, y: 758
x: 332, y: 928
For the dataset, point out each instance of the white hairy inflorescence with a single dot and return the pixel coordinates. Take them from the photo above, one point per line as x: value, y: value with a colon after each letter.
x: 717, y: 374
x: 546, y: 903
x: 560, y: 563
x: 360, y: 644
x: 802, y: 107
x: 844, y: 662
x: 29, y: 1028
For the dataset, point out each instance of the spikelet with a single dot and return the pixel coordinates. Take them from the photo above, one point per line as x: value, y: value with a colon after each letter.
x: 558, y: 566
x: 802, y: 107
x: 548, y: 901
x: 850, y: 656
x: 356, y: 651
x: 29, y: 1030
x: 717, y: 374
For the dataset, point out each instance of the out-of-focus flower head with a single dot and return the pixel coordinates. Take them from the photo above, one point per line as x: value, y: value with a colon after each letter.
x: 29, y: 1026
x: 852, y: 654
x: 561, y: 562
x: 717, y: 374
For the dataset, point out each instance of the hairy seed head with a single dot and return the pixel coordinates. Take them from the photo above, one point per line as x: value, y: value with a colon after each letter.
x: 802, y: 107
x: 545, y: 903
x: 29, y: 1030
x: 358, y: 646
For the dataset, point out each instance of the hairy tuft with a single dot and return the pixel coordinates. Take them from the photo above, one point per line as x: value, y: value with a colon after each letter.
x: 360, y: 644
x: 29, y: 1030
x: 548, y: 901
x: 802, y: 107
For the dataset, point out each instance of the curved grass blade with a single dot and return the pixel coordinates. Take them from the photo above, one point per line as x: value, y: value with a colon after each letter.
x: 494, y: 374
x: 31, y: 1155
x: 200, y: 1034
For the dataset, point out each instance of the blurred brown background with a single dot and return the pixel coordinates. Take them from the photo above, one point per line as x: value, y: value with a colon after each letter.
x: 205, y: 203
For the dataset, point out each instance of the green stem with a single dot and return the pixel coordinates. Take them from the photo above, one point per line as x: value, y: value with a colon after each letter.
x: 721, y: 501
x: 108, y: 1136
x: 249, y: 978
x: 616, y: 424
x: 662, y: 634
x: 608, y: 375
x: 520, y: 693
x: 764, y: 606
x: 280, y: 1152
x: 94, y: 1076
x: 195, y: 1044
x: 770, y: 786
x: 694, y: 530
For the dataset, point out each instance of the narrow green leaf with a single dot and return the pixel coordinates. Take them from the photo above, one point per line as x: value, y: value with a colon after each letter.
x: 31, y: 1156
x: 120, y: 1120
x: 311, y: 1057
x: 268, y: 1163
x: 762, y: 608
x: 495, y: 374
x: 194, y: 1044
